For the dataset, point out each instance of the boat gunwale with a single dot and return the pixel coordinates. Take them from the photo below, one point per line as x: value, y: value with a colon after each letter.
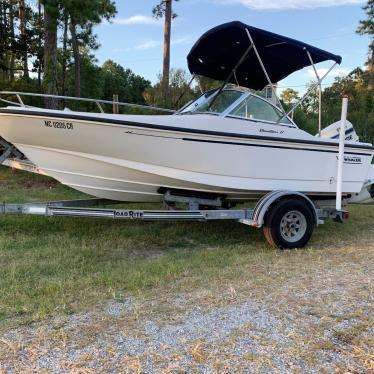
x: 107, y: 120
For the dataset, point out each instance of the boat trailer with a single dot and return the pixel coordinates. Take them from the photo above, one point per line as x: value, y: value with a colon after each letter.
x: 273, y: 204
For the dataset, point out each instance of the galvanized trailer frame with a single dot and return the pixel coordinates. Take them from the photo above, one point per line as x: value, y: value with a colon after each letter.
x: 254, y: 217
x: 291, y: 232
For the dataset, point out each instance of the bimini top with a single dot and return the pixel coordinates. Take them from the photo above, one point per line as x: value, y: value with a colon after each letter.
x: 220, y: 49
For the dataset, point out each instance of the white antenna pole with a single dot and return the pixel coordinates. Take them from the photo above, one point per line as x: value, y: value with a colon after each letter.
x: 319, y: 106
x: 339, y: 182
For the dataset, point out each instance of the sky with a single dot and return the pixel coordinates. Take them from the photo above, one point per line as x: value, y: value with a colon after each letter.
x: 134, y: 39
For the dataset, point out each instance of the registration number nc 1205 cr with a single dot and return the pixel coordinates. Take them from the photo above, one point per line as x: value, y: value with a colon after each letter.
x: 59, y: 125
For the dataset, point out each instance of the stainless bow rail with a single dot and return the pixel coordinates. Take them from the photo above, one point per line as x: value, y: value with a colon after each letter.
x: 20, y: 102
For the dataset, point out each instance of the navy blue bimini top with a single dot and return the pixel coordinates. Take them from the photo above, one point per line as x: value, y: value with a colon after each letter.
x: 218, y: 51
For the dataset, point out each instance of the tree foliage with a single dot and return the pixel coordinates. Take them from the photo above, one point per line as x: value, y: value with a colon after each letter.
x: 366, y: 26
x: 57, y: 37
x: 360, y: 109
x: 289, y: 96
x: 179, y: 91
x: 158, y: 10
x: 361, y: 103
x: 18, y: 35
x: 205, y: 84
x: 124, y: 82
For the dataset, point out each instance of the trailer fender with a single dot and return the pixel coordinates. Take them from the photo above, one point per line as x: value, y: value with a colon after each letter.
x: 266, y: 202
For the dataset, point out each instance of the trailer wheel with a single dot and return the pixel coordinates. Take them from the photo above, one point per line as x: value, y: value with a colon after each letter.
x: 289, y: 224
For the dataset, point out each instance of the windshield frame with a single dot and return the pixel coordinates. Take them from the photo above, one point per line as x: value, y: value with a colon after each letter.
x: 183, y: 109
x: 291, y: 124
x: 211, y: 97
x: 226, y: 113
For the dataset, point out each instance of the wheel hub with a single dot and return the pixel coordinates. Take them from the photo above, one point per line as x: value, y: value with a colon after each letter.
x: 293, y: 226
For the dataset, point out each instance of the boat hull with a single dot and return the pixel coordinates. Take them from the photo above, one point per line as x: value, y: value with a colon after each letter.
x: 139, y: 158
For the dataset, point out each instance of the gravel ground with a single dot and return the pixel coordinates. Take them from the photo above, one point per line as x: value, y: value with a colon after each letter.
x: 301, y: 312
x: 238, y: 337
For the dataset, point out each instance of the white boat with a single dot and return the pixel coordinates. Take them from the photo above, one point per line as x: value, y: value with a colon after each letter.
x: 229, y: 143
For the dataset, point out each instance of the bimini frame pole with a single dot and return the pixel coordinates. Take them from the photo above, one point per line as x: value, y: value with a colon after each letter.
x: 232, y: 73
x: 265, y: 71
x: 312, y: 87
x: 319, y: 82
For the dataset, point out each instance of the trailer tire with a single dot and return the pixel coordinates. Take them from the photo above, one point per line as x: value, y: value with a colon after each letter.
x: 289, y: 224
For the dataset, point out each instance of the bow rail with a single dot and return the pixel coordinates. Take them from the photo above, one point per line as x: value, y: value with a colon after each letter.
x: 98, y: 102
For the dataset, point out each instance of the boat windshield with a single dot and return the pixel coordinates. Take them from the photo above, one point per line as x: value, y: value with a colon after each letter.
x: 223, y: 101
x: 256, y: 108
x: 237, y: 103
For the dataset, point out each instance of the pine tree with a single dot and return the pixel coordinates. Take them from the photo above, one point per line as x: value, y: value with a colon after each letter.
x: 51, y: 18
x: 164, y: 9
x: 85, y: 14
x: 367, y: 27
x: 23, y: 37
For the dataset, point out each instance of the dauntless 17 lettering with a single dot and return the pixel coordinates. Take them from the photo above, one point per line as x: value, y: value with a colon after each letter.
x: 59, y: 125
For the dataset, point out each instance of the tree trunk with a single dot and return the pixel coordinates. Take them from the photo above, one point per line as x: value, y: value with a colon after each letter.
x: 22, y: 20
x: 50, y: 56
x: 40, y: 55
x: 77, y: 62
x: 4, y: 37
x: 167, y: 35
x: 371, y: 71
x: 64, y: 52
x: 12, y: 55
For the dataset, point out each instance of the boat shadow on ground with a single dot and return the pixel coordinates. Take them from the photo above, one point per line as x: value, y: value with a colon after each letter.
x: 37, y: 231
x: 150, y: 238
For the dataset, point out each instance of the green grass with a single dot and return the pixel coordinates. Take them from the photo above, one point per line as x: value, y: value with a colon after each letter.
x: 65, y: 265
x: 17, y: 186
